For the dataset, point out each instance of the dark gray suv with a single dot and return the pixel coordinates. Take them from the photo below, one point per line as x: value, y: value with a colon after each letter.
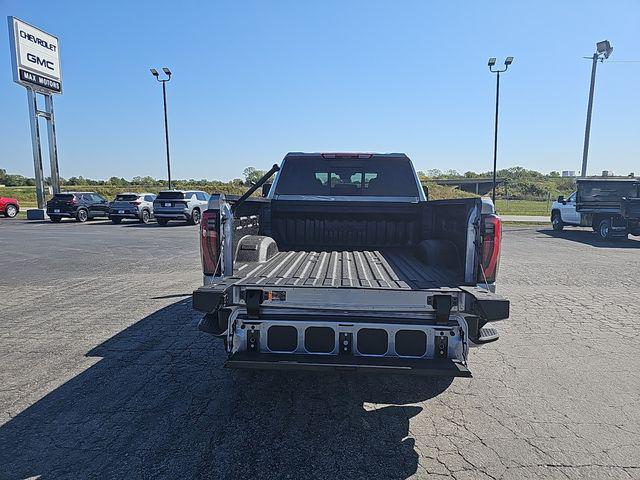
x: 180, y: 205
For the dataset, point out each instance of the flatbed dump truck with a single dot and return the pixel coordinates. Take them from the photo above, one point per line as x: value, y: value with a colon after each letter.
x: 610, y: 205
x: 346, y: 265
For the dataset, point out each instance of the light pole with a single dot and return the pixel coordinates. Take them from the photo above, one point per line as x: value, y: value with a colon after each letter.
x: 167, y: 72
x: 603, y: 50
x: 492, y: 61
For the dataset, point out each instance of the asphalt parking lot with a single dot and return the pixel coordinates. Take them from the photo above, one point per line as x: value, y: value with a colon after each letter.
x: 104, y: 374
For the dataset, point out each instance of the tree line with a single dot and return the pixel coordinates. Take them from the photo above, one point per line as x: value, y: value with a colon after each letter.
x: 250, y: 174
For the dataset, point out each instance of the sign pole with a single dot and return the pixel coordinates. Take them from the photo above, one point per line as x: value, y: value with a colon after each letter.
x: 53, y: 149
x: 35, y: 62
x: 35, y: 143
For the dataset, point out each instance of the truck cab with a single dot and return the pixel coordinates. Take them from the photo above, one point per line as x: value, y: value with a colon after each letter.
x: 563, y: 212
x: 346, y: 265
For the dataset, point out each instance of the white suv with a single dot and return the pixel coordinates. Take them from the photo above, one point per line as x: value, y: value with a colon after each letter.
x: 180, y: 205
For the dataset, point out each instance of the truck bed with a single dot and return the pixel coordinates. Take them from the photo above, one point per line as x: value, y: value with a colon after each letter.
x: 394, y: 269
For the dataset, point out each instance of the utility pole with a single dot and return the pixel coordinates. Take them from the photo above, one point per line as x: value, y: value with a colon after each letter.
x: 603, y: 50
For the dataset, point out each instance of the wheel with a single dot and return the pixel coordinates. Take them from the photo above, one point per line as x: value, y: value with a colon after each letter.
x: 144, y: 218
x: 82, y: 215
x: 604, y: 229
x: 195, y: 217
x: 55, y: 219
x: 116, y: 220
x: 162, y: 222
x: 556, y: 221
x: 11, y: 211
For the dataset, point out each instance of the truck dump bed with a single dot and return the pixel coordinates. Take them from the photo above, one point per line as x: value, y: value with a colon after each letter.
x: 393, y: 269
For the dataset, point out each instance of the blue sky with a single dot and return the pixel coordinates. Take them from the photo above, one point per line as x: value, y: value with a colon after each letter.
x: 256, y: 79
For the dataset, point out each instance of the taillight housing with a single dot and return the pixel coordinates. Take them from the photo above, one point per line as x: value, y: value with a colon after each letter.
x: 490, y: 260
x: 210, y: 242
x: 73, y: 200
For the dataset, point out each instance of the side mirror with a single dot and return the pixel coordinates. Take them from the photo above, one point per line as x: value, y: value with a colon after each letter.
x: 265, y: 189
x: 561, y: 199
x: 425, y: 189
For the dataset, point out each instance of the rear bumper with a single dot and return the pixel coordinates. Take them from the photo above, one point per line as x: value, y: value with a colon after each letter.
x: 115, y: 214
x: 61, y: 213
x: 269, y: 361
x: 182, y: 214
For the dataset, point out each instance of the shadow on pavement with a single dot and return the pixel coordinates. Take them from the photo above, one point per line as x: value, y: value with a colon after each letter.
x: 159, y: 404
x: 589, y: 237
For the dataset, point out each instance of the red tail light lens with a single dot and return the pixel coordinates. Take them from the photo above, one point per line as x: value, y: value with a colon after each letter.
x: 491, y: 237
x: 137, y: 202
x: 73, y: 201
x: 209, y: 242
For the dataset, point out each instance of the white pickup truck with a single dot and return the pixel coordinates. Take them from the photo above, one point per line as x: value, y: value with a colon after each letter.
x: 347, y: 265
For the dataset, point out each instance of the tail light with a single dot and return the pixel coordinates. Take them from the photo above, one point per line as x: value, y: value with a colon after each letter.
x: 73, y: 200
x: 137, y: 202
x: 491, y: 237
x: 209, y: 242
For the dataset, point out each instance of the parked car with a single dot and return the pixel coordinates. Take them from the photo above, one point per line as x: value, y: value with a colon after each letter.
x: 346, y: 265
x: 180, y: 205
x: 611, y: 206
x: 9, y: 207
x: 82, y: 206
x: 138, y: 206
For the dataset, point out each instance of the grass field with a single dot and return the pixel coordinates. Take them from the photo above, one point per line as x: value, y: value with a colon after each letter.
x: 523, y: 207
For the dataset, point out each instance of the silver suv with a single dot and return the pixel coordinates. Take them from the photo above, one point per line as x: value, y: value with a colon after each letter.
x: 180, y: 205
x: 132, y: 205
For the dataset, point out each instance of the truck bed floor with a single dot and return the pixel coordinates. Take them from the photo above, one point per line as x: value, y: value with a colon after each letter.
x: 392, y: 268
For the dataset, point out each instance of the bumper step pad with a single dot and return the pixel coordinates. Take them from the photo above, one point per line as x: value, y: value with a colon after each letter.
x: 487, y: 334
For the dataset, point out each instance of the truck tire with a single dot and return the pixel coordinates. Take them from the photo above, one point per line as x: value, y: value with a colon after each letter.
x: 162, y: 221
x: 11, y: 211
x: 556, y: 221
x: 82, y: 215
x: 604, y: 229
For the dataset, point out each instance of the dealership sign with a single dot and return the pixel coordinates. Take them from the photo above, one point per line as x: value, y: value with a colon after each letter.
x: 35, y: 57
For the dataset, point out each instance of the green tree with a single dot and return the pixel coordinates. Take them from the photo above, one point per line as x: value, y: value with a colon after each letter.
x: 252, y: 175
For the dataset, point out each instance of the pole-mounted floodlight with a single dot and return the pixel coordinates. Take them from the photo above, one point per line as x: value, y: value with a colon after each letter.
x: 492, y: 61
x: 604, y: 48
x: 603, y: 51
x: 167, y: 72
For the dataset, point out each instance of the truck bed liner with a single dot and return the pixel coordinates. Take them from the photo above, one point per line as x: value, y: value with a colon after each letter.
x: 396, y: 269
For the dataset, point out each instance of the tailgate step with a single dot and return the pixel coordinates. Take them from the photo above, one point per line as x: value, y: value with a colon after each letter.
x: 487, y: 334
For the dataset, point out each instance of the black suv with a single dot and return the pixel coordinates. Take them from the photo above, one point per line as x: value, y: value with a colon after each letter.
x: 79, y: 205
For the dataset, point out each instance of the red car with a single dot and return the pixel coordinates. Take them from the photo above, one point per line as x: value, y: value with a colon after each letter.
x: 9, y: 206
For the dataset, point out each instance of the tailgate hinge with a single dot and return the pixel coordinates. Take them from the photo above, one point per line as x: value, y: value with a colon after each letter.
x: 253, y: 299
x: 442, y: 305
